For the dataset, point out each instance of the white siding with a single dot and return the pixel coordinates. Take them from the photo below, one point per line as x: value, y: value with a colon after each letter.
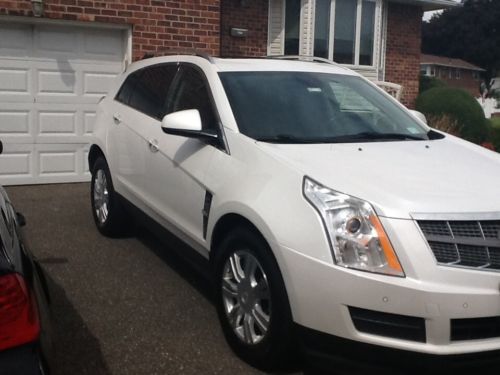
x: 306, y: 44
x: 370, y: 73
x: 276, y: 32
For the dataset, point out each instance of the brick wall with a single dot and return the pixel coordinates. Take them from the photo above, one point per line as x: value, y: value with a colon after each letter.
x: 251, y: 15
x: 402, y: 63
x: 158, y: 25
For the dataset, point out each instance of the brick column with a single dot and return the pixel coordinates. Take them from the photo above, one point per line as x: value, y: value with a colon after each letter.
x: 402, y: 63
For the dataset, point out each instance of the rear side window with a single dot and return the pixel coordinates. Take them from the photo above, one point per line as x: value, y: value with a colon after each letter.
x: 147, y: 89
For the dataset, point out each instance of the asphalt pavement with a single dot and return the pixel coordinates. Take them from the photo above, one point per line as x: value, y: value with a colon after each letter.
x: 129, y: 305
x: 120, y: 306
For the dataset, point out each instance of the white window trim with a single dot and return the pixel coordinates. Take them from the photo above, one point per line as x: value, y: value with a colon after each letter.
x: 377, y: 28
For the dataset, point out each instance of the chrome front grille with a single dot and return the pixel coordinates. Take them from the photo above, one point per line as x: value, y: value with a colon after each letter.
x: 472, y: 244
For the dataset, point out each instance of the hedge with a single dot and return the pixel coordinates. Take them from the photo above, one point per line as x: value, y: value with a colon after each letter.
x: 460, y: 106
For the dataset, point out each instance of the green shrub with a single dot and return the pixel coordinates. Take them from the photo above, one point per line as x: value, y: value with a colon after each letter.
x: 495, y: 132
x: 460, y: 106
x: 427, y: 83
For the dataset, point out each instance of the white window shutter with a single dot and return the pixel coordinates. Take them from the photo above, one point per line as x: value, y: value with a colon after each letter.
x: 276, y: 28
x: 306, y: 45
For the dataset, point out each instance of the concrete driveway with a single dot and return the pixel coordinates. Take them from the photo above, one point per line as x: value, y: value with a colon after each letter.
x: 121, y: 306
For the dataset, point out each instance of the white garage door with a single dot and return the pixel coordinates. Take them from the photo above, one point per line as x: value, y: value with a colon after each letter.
x: 51, y: 78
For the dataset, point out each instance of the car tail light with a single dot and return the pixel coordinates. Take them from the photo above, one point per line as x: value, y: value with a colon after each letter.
x: 19, y: 323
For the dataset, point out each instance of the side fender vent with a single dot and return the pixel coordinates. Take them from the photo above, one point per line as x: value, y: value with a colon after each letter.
x: 206, y: 212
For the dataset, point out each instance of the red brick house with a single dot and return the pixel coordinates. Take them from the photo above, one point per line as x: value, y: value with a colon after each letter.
x: 454, y: 72
x: 57, y: 58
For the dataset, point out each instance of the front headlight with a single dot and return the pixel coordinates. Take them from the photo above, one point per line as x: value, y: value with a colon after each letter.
x: 356, y: 235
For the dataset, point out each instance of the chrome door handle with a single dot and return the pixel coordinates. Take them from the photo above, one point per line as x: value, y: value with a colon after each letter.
x: 117, y: 118
x: 153, y: 145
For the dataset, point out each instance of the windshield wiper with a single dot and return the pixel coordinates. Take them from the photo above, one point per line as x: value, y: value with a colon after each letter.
x: 363, y: 136
x: 286, y: 138
x: 372, y: 136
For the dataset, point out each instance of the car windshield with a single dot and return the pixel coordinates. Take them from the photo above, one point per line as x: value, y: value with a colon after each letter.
x: 309, y: 107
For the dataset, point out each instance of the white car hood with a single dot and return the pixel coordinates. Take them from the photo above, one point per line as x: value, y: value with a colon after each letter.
x: 402, y: 178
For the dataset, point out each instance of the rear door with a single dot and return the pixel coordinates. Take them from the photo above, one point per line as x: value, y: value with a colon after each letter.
x: 139, y: 105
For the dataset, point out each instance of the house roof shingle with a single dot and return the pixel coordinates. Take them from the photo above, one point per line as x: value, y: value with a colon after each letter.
x: 448, y: 62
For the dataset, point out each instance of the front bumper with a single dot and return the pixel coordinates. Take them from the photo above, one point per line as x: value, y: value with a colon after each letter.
x: 321, y: 295
x: 350, y: 357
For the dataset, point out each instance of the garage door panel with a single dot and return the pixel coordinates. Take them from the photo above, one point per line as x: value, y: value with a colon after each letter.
x: 56, y: 82
x: 16, y: 162
x: 51, y: 79
x: 108, y: 47
x: 50, y: 41
x: 14, y: 122
x: 43, y: 163
x: 97, y: 83
x: 58, y: 163
x: 57, y: 123
x: 89, y: 119
x: 15, y: 81
x: 16, y: 40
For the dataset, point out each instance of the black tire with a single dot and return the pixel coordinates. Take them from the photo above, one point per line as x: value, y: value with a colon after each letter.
x: 116, y: 223
x: 274, y: 349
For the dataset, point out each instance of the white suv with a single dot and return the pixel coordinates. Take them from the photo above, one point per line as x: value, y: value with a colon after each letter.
x: 322, y: 204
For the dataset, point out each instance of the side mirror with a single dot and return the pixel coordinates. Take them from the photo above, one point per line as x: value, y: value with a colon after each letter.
x: 419, y: 115
x: 187, y: 123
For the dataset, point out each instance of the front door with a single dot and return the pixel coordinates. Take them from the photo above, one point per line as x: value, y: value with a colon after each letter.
x: 177, y: 169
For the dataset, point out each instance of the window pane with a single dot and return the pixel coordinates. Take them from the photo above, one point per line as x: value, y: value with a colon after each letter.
x: 367, y: 33
x: 127, y: 89
x: 292, y: 27
x: 322, y: 28
x: 192, y: 93
x: 150, y: 93
x: 345, y: 31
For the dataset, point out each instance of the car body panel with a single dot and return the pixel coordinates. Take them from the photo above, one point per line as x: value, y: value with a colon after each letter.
x: 401, y: 178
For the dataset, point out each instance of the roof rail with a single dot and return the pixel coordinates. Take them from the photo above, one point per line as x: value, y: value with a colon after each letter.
x: 171, y: 52
x: 302, y: 57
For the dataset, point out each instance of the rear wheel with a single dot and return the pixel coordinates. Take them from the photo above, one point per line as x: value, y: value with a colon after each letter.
x: 252, y: 303
x: 109, y: 216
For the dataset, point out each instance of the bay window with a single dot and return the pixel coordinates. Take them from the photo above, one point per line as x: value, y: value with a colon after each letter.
x: 344, y: 31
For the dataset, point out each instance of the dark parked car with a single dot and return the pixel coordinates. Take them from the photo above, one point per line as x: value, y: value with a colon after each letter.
x: 24, y: 301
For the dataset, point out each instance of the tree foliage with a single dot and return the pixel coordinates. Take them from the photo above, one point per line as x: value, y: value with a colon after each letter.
x: 470, y: 32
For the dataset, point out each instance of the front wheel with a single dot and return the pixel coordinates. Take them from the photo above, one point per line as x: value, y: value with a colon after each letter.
x: 252, y: 302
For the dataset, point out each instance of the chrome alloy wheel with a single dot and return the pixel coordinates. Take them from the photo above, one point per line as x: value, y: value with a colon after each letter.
x: 101, y: 196
x: 246, y: 297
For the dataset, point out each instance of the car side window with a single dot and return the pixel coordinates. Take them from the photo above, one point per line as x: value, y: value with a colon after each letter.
x: 192, y: 92
x: 127, y: 88
x: 146, y: 90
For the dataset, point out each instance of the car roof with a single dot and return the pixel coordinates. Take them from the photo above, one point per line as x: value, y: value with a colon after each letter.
x: 247, y: 64
x: 278, y: 64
